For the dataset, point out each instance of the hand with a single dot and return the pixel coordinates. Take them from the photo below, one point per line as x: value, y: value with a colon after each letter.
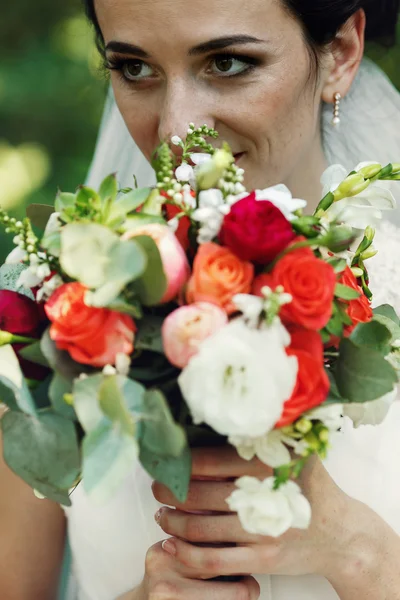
x: 325, y: 548
x: 168, y: 579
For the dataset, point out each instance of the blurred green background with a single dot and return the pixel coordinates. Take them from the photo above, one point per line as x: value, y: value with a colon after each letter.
x: 52, y: 92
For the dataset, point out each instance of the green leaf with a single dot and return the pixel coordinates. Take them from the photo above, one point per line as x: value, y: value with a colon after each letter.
x: 148, y: 336
x: 154, y: 203
x: 137, y: 220
x: 132, y: 308
x: 86, y: 401
x: 9, y: 275
x: 113, y: 394
x: 108, y: 189
x: 338, y: 264
x: 43, y: 451
x: 64, y: 200
x: 174, y: 472
x: 58, y: 388
x: 345, y: 293
x: 363, y: 374
x: 390, y: 325
x: 39, y: 214
x: 161, y: 435
x: 87, y: 198
x: 108, y: 457
x: 151, y: 286
x: 372, y: 335
x: 52, y: 243
x: 387, y: 311
x: 334, y: 396
x: 34, y: 354
x: 335, y: 325
x: 128, y: 203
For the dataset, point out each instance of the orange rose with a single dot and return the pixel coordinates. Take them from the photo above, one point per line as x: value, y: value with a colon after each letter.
x: 312, y: 384
x: 359, y: 309
x: 92, y: 336
x: 311, y: 283
x: 217, y: 276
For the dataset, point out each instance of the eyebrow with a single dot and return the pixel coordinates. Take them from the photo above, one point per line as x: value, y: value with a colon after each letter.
x: 212, y: 45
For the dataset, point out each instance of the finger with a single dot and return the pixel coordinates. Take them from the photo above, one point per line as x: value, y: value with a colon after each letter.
x: 247, y: 588
x: 207, y: 563
x: 202, y: 495
x: 225, y: 463
x: 221, y: 529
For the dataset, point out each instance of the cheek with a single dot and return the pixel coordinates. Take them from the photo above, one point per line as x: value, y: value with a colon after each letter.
x: 139, y: 114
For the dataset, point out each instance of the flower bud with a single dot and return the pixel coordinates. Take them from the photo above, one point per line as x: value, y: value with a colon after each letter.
x: 370, y: 253
x: 5, y: 338
x: 370, y: 171
x: 210, y: 172
x: 353, y: 185
x: 339, y: 238
x: 396, y: 168
x: 303, y: 426
x: 357, y: 272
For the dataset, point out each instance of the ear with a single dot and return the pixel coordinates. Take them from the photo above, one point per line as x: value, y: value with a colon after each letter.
x: 346, y: 53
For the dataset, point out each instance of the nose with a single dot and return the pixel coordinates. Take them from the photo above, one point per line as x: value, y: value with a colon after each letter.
x: 183, y: 103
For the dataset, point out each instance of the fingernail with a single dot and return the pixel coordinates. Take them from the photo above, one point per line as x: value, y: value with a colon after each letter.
x: 169, y: 547
x: 158, y: 515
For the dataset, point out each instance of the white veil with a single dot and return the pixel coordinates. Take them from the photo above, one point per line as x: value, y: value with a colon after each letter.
x: 370, y: 130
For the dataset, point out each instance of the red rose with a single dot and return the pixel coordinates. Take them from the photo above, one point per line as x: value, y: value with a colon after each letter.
x: 311, y: 283
x: 255, y: 230
x: 92, y: 336
x: 359, y: 309
x: 182, y: 233
x: 22, y: 316
x: 312, y: 386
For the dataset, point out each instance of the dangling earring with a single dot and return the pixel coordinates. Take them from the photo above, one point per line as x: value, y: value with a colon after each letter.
x: 336, y: 110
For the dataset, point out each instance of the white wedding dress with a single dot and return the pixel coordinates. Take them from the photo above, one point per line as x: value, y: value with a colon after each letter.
x: 109, y: 543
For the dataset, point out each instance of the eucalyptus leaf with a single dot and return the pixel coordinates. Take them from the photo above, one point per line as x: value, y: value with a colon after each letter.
x: 387, y: 311
x: 86, y: 401
x: 12, y: 378
x: 149, y: 336
x: 113, y: 404
x: 131, y: 307
x: 363, y: 374
x: 108, y: 457
x: 34, y: 354
x: 173, y: 472
x: 161, y: 435
x: 151, y: 286
x: 338, y: 264
x: 390, y: 325
x: 39, y: 214
x: 58, y: 388
x: 372, y: 335
x: 52, y: 243
x: 137, y: 220
x: 9, y: 275
x: 345, y: 292
x: 43, y: 451
x: 334, y: 396
x: 60, y: 360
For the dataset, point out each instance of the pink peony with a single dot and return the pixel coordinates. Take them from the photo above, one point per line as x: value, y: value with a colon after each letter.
x: 174, y: 260
x: 187, y: 327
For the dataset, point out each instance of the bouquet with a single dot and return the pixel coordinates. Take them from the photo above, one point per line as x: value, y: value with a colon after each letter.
x: 139, y: 323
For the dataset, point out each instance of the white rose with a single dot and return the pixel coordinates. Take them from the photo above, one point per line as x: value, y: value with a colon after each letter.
x: 370, y: 413
x: 363, y: 209
x: 265, y: 511
x: 240, y: 379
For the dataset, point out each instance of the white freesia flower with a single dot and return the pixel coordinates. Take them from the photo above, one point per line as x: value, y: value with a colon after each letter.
x: 185, y: 173
x: 281, y: 197
x: 29, y: 278
x: 210, y: 214
x: 331, y: 415
x: 265, y: 511
x: 16, y: 256
x: 363, y: 209
x: 240, y: 379
x: 48, y: 288
x: 370, y: 413
x: 270, y: 448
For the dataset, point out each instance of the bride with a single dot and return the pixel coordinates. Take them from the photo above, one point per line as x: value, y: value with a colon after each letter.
x: 267, y: 75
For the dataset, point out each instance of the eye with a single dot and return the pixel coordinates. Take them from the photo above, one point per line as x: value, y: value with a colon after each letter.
x: 134, y: 70
x: 229, y: 66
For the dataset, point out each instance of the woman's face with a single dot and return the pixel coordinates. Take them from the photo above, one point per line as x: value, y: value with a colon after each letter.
x: 240, y: 66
